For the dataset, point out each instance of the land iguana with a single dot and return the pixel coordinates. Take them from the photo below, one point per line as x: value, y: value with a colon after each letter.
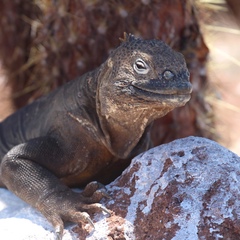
x: 88, y: 128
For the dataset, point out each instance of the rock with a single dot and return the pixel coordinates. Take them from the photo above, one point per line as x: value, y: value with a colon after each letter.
x: 188, y: 189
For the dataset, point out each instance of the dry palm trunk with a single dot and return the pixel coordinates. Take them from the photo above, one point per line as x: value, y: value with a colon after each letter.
x: 46, y: 43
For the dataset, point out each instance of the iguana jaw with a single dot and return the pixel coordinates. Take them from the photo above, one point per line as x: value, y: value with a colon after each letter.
x: 176, y: 98
x: 148, y: 87
x: 155, y: 90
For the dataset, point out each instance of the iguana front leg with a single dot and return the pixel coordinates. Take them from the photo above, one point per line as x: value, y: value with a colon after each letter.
x: 23, y: 175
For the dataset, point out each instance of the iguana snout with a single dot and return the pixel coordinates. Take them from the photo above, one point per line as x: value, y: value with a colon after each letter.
x: 177, y: 84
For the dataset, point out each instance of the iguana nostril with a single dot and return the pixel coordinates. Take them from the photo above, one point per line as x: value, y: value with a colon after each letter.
x: 168, y: 75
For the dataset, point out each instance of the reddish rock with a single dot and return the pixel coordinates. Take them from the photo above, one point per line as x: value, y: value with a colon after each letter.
x: 188, y: 189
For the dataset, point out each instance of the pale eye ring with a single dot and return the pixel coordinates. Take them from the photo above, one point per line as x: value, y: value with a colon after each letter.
x: 140, y: 66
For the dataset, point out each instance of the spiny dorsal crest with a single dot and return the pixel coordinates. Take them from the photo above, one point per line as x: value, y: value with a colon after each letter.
x: 129, y: 41
x: 128, y: 37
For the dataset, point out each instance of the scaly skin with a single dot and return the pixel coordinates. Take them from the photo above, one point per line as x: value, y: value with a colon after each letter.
x: 89, y: 129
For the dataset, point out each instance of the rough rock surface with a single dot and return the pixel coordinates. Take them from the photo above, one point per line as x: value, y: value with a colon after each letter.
x: 188, y: 189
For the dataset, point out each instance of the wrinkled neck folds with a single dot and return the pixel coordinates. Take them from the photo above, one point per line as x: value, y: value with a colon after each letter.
x: 123, y: 123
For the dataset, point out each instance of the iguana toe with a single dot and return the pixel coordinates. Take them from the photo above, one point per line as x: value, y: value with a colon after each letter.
x: 94, y: 192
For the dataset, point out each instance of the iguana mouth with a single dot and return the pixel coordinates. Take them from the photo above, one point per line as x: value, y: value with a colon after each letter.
x: 158, y: 88
x: 174, y: 97
x: 164, y: 92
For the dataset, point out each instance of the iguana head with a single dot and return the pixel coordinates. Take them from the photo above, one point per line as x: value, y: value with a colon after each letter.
x: 141, y: 80
x: 147, y: 70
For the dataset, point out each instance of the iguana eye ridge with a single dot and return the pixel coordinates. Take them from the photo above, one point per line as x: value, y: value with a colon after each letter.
x: 140, y: 66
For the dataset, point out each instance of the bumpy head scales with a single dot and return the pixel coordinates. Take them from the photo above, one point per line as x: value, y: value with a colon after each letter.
x: 131, y: 44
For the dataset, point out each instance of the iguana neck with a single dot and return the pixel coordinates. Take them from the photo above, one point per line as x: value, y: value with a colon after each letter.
x: 86, y: 89
x: 123, y: 127
x: 79, y: 100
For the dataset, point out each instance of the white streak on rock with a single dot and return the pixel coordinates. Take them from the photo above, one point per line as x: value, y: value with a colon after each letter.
x: 101, y: 228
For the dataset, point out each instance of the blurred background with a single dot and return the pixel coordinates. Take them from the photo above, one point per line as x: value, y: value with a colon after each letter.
x: 222, y: 35
x: 46, y: 43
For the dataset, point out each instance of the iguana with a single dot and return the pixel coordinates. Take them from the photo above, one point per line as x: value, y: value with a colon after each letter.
x: 89, y: 128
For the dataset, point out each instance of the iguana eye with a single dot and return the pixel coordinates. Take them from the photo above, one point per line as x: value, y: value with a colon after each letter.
x: 140, y: 66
